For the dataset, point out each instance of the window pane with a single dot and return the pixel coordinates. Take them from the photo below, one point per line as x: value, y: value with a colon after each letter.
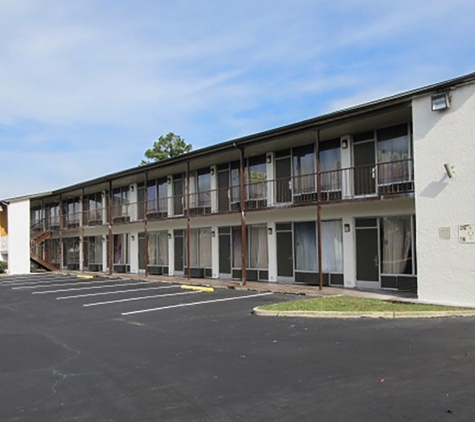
x: 332, y: 247
x: 258, y: 253
x: 396, y: 245
x: 305, y: 246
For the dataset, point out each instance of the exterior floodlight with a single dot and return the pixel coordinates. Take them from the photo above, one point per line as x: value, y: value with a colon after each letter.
x: 450, y: 170
x: 440, y: 102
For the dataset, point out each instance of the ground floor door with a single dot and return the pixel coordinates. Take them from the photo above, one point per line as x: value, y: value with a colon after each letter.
x: 225, y: 251
x: 179, y: 249
x: 367, y: 251
x: 285, y: 255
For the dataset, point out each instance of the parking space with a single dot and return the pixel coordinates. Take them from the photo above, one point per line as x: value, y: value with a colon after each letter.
x: 118, y: 296
x: 97, y: 354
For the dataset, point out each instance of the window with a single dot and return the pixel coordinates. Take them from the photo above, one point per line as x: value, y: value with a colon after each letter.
x: 158, y: 248
x: 394, y: 153
x: 93, y: 209
x: 305, y: 239
x: 200, y: 190
x: 396, y: 245
x: 306, y: 249
x: 200, y: 248
x: 71, y: 213
x: 330, y: 164
x: 257, y: 249
x: 71, y: 252
x: 256, y: 178
x: 304, y: 170
x: 53, y: 216
x: 121, y: 250
x: 93, y: 250
x: 120, y: 198
x: 157, y: 198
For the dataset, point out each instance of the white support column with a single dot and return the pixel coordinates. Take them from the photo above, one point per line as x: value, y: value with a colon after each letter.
x: 19, y: 237
x: 134, y: 252
x: 171, y: 253
x: 346, y: 163
x: 272, y: 251
x: 270, y: 157
x: 349, y: 253
x: 170, y: 195
x: 133, y: 206
x: 214, y: 190
x: 215, y: 251
x: 105, y: 261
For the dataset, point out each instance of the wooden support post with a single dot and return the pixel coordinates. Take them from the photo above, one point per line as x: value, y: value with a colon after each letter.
x: 319, y: 211
x: 243, y: 219
x: 188, y: 222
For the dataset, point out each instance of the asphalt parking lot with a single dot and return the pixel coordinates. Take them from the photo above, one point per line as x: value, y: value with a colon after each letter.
x: 107, y: 349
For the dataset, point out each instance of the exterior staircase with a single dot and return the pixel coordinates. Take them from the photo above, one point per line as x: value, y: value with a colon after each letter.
x: 36, y: 239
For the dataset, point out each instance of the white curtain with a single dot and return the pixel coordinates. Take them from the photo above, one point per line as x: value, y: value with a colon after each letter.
x: 258, y: 253
x: 205, y: 248
x: 396, y: 244
x: 332, y: 247
x: 305, y: 239
x: 163, y: 248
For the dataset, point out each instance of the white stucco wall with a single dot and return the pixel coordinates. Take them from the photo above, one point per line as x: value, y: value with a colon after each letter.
x: 19, y: 237
x: 446, y: 267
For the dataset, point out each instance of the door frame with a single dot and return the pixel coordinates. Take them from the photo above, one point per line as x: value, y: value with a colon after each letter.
x: 374, y: 171
x: 365, y: 283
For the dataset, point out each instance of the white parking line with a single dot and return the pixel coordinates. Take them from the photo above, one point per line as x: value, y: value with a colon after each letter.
x: 116, y: 292
x: 30, y: 282
x: 93, y: 287
x: 76, y: 283
x: 138, y: 298
x: 194, y: 303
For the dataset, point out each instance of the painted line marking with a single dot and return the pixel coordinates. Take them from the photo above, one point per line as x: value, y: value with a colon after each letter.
x: 137, y: 298
x: 116, y: 292
x: 90, y: 288
x: 199, y: 288
x: 76, y: 283
x: 33, y: 282
x: 194, y: 303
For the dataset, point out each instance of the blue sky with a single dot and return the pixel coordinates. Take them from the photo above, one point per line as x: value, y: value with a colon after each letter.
x: 87, y: 86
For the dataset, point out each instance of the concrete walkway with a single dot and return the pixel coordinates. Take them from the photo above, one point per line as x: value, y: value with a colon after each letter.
x: 296, y: 289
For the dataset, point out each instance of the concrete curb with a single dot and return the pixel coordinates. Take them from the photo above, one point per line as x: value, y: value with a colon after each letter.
x: 352, y: 315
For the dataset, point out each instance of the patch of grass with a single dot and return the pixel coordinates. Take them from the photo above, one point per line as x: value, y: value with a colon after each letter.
x: 355, y: 304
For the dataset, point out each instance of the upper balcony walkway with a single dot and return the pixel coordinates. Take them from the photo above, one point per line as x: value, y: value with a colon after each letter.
x: 371, y: 182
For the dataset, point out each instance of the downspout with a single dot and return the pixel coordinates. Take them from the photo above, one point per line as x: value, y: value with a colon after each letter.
x: 81, y: 222
x: 111, y: 243
x: 243, y: 220
x: 61, y: 248
x: 188, y: 222
x: 319, y: 211
x: 145, y: 210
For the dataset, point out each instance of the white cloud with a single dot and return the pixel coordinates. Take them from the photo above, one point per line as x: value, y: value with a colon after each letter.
x: 81, y: 81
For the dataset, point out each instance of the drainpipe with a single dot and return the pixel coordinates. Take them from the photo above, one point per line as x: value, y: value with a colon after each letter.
x: 243, y: 220
x: 146, y: 225
x: 111, y: 243
x: 319, y: 211
x: 81, y: 222
x: 61, y: 248
x: 188, y: 234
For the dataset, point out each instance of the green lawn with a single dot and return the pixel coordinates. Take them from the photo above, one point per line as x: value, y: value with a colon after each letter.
x: 355, y: 304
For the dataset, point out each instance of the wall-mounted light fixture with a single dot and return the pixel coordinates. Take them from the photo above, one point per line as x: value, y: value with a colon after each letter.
x: 131, y: 188
x: 169, y: 179
x: 269, y: 158
x: 169, y: 235
x: 269, y: 230
x: 213, y: 233
x: 450, y: 170
x: 440, y: 102
x: 347, y: 227
x: 211, y: 171
x: 133, y: 238
x: 344, y: 144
